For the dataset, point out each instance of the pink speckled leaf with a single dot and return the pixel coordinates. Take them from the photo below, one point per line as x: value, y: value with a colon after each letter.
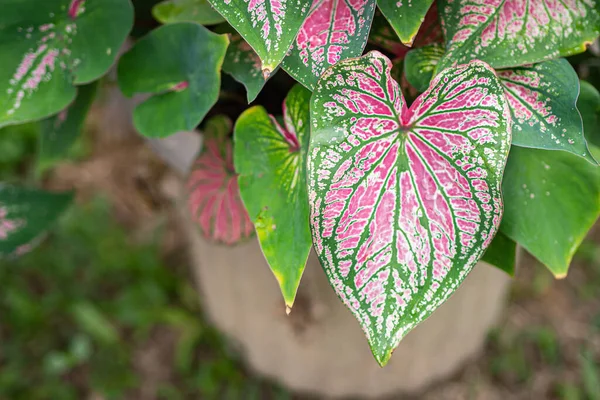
x: 509, y: 33
x: 269, y: 26
x: 214, y: 195
x: 334, y: 30
x: 403, y: 202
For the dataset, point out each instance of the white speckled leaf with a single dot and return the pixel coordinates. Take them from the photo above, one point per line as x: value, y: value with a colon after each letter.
x: 269, y: 26
x: 509, y: 33
x: 403, y: 202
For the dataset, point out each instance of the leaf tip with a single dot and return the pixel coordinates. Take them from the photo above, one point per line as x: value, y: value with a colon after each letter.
x: 288, y: 309
x: 560, y: 275
x: 266, y: 72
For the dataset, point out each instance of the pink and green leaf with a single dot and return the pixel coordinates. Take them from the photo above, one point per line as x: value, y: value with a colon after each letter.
x: 542, y: 99
x: 213, y: 192
x: 46, y: 50
x: 334, y: 30
x: 270, y: 159
x: 405, y: 16
x: 510, y: 33
x: 26, y: 214
x: 403, y: 202
x: 243, y: 64
x: 552, y: 201
x: 180, y: 64
x: 269, y: 26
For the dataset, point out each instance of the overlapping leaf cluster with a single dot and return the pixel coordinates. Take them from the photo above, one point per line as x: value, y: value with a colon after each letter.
x: 398, y: 200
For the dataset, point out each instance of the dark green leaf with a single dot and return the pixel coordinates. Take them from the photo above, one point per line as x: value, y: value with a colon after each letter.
x: 405, y: 16
x: 588, y: 105
x: 199, y: 11
x: 180, y: 65
x: 420, y: 64
x: 502, y: 254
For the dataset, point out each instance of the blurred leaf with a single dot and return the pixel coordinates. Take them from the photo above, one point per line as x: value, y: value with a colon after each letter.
x: 590, y: 373
x: 92, y: 321
x: 199, y: 11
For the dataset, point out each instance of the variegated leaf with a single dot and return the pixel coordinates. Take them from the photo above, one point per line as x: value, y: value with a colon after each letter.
x: 542, y: 98
x: 25, y: 214
x: 334, y: 30
x: 405, y: 16
x: 214, y: 196
x: 270, y: 159
x: 269, y: 26
x: 243, y: 64
x: 509, y: 33
x: 403, y: 202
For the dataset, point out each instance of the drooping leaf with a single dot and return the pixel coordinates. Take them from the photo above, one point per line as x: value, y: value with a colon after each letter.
x: 588, y: 105
x: 502, y: 254
x: 58, y: 133
x: 542, y: 98
x: 270, y: 160
x: 180, y: 65
x: 403, y: 202
x: 552, y: 199
x: 243, y: 64
x: 269, y: 27
x: 214, y: 196
x: 47, y: 48
x: 405, y: 16
x: 25, y: 214
x: 420, y: 64
x: 334, y: 30
x: 510, y: 33
x: 199, y: 11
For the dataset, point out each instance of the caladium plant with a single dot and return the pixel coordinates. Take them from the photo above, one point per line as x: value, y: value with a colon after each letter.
x: 421, y: 137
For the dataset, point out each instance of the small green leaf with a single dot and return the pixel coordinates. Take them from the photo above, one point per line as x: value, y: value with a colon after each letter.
x: 552, y: 199
x: 269, y: 27
x: 502, y: 254
x: 58, y: 133
x: 243, y: 64
x: 405, y: 16
x: 270, y: 160
x: 199, y: 11
x: 420, y: 64
x: 510, y: 33
x: 180, y: 65
x: 588, y: 105
x: 25, y: 214
x: 49, y: 46
x: 92, y: 321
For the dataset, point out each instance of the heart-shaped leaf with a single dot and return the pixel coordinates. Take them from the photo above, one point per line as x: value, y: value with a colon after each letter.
x: 199, y: 11
x: 542, y: 98
x: 47, y: 48
x: 270, y: 160
x: 58, y: 133
x: 510, y: 33
x: 502, y: 254
x: 214, y: 196
x: 588, y: 105
x: 403, y: 202
x: 334, y: 30
x: 405, y: 16
x: 25, y: 214
x: 180, y: 64
x: 269, y: 27
x: 552, y: 200
x: 242, y: 63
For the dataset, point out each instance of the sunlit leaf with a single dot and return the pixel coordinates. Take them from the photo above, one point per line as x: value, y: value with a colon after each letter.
x: 552, y: 199
x: 403, y: 202
x: 25, y: 214
x: 405, y: 16
x: 270, y: 159
x: 334, y: 30
x: 214, y: 196
x: 49, y: 46
x: 509, y: 33
x: 180, y: 65
x: 269, y: 27
x: 199, y: 11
